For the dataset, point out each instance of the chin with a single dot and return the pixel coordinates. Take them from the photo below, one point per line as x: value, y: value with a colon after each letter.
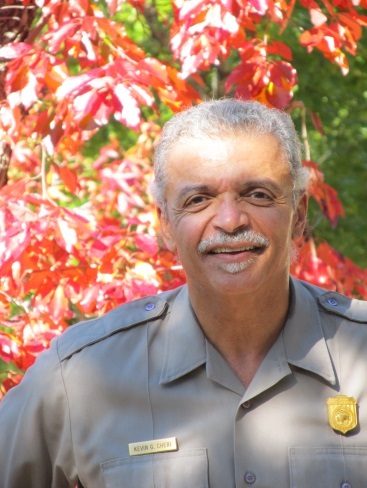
x: 238, y: 283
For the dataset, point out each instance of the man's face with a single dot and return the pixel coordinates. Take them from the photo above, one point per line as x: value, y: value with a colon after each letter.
x: 230, y: 216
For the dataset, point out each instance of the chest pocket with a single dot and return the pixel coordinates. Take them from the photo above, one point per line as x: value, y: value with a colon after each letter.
x: 181, y: 469
x: 331, y: 467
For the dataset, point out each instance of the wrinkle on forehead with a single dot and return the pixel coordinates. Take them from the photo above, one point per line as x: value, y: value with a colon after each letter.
x: 217, y: 149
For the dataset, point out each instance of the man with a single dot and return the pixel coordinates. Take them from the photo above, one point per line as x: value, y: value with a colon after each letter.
x: 245, y: 377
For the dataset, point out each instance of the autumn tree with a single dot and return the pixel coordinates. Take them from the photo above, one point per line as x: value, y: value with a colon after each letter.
x: 86, y: 89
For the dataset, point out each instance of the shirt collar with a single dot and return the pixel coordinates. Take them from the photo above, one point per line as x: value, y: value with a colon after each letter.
x: 304, y: 341
x: 187, y: 348
x: 301, y: 344
x: 185, y: 344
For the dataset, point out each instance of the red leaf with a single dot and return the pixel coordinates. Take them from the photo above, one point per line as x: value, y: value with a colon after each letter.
x: 127, y: 110
x: 77, y: 83
x: 317, y: 123
x: 191, y: 8
x: 147, y: 243
x: 58, y: 305
x: 155, y: 68
x: 112, y: 5
x: 12, y: 245
x: 8, y: 348
x: 280, y: 48
x: 15, y: 50
x: 311, y: 268
x: 317, y: 17
x: 89, y: 298
x: 329, y: 7
x: 142, y: 288
x: 63, y: 31
x: 12, y: 380
x: 352, y: 23
x: 309, y: 4
x: 324, y: 194
x: 67, y: 236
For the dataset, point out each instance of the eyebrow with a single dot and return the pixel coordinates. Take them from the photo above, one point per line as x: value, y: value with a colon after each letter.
x: 261, y: 183
x: 187, y: 189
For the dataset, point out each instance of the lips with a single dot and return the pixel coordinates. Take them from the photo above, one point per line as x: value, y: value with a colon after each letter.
x: 226, y: 250
x: 233, y: 244
x: 235, y: 254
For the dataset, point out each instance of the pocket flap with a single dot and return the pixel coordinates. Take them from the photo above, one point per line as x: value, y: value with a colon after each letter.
x: 322, y: 467
x: 182, y: 469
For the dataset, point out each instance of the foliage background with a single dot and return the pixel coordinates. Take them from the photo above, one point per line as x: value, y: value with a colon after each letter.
x: 341, y: 102
x: 85, y: 88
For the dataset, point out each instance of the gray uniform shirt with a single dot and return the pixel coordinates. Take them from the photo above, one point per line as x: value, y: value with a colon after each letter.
x: 145, y: 372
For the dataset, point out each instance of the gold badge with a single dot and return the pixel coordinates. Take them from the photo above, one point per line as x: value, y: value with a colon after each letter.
x: 342, y: 411
x: 152, y: 447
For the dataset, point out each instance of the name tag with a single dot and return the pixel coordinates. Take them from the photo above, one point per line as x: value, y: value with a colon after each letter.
x: 151, y: 447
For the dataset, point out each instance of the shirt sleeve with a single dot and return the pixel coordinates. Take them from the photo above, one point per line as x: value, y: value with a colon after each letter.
x: 35, y: 442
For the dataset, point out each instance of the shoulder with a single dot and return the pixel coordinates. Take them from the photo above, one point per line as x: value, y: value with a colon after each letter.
x: 337, y: 304
x: 124, y: 317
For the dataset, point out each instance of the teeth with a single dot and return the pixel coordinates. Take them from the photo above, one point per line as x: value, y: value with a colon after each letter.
x: 225, y: 249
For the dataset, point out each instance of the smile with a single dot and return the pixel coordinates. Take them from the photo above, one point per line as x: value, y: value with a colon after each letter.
x: 221, y: 250
x: 242, y: 242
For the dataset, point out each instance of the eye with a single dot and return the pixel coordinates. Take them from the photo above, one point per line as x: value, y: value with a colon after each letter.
x: 196, y: 200
x: 259, y: 197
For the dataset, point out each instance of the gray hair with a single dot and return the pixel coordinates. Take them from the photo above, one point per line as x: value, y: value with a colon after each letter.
x: 227, y: 117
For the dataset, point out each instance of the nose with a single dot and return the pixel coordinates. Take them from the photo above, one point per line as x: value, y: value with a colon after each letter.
x: 230, y: 216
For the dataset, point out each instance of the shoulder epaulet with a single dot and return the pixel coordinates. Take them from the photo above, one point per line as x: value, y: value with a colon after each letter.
x: 84, y: 334
x: 349, y: 308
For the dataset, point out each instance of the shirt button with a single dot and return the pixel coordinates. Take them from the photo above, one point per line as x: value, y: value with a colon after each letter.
x: 346, y: 485
x: 149, y: 306
x: 250, y: 478
x: 246, y: 404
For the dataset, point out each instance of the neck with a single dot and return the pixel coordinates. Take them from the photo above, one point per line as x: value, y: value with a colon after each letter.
x: 242, y: 327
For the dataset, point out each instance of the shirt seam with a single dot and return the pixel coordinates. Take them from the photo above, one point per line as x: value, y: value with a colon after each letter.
x: 68, y: 409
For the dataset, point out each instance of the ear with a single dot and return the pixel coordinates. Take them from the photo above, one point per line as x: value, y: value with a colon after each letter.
x: 166, y: 231
x: 300, y: 218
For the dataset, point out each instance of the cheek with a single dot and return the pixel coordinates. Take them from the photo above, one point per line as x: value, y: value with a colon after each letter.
x: 187, y: 238
x: 191, y: 227
x: 276, y: 225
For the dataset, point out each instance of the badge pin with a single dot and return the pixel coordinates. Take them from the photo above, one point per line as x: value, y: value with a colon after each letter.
x: 153, y: 447
x: 342, y: 412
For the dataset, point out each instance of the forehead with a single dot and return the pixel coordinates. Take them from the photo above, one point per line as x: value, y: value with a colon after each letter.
x: 238, y: 155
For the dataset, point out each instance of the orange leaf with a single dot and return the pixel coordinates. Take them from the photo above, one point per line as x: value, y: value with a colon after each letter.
x: 69, y: 178
x: 352, y: 23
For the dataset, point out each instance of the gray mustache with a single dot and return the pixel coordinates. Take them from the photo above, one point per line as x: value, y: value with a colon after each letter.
x: 245, y: 237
